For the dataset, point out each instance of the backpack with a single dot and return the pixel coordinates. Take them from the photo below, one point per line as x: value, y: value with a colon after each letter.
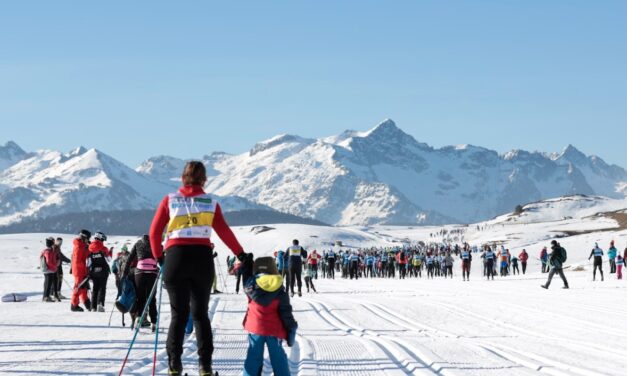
x: 99, y: 265
x: 562, y: 255
x: 126, y: 301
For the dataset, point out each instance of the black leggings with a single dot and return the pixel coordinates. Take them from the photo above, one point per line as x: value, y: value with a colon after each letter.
x: 295, y: 276
x: 144, y: 282
x: 99, y: 290
x: 594, y: 270
x: 50, y: 285
x: 188, y: 275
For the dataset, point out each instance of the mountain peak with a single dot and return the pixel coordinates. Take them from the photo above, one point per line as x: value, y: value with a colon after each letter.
x: 387, y: 126
x: 572, y: 154
x: 278, y: 140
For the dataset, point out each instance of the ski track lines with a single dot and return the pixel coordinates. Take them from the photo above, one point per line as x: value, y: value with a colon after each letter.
x: 543, y: 364
x: 408, y: 360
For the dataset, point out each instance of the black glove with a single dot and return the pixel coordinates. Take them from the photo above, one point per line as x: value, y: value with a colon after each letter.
x: 291, y: 337
x: 215, y: 254
x: 247, y: 265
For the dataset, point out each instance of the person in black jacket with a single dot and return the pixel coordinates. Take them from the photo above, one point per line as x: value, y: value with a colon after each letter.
x: 146, y: 272
x: 296, y: 254
x: 558, y: 255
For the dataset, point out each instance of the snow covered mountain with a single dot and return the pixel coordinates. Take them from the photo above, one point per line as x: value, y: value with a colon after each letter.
x: 380, y: 176
x: 385, y: 176
x: 48, y: 183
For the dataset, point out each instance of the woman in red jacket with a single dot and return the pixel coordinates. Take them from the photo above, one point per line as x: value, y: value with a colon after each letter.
x: 79, y: 270
x: 187, y: 217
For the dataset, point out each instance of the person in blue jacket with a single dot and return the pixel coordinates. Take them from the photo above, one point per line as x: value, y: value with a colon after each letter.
x: 611, y: 255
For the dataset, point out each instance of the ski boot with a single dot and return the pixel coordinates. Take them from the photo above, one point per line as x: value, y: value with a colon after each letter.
x: 101, y: 308
x: 88, y: 305
x: 153, y: 328
x: 300, y: 293
x: 175, y: 367
x: 544, y: 287
x: 76, y: 308
x: 61, y: 296
x: 47, y: 299
x: 217, y: 292
x: 57, y: 298
x: 205, y: 369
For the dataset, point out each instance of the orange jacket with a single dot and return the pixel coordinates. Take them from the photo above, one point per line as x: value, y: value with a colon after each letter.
x: 79, y: 258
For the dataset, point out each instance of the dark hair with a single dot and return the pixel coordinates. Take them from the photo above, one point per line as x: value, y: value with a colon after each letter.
x: 295, y: 241
x: 194, y: 173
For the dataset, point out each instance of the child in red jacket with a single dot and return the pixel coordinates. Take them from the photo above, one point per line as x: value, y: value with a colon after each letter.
x: 49, y: 263
x: 269, y: 318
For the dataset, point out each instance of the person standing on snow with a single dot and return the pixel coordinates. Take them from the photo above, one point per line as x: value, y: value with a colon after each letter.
x: 188, y: 217
x: 98, y: 264
x: 544, y: 258
x: 489, y: 259
x: 523, y: 257
x: 466, y: 257
x: 296, y: 254
x: 62, y: 258
x: 49, y: 264
x: 619, y: 266
x: 79, y: 270
x: 556, y: 260
x: 269, y: 318
x: 611, y: 255
x: 330, y: 259
x: 312, y: 263
x: 145, y: 277
x: 597, y: 253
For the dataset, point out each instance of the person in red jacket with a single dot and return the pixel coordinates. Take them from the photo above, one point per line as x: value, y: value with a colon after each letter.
x: 523, y: 257
x: 312, y: 261
x: 79, y: 271
x: 49, y: 264
x: 99, y: 270
x: 269, y: 318
x: 187, y: 217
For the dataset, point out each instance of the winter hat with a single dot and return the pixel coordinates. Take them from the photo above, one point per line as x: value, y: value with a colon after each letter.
x: 85, y: 234
x: 554, y: 242
x: 49, y: 242
x: 265, y: 265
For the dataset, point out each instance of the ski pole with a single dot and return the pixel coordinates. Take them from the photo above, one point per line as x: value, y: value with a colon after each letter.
x: 141, y: 321
x: 111, y: 315
x: 221, y: 275
x: 154, y: 357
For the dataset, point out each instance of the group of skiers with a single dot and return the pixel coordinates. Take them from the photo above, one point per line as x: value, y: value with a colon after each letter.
x: 406, y: 262
x: 616, y: 261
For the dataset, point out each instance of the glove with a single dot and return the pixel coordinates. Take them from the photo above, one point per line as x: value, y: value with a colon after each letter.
x: 291, y: 337
x: 246, y: 268
x: 215, y: 254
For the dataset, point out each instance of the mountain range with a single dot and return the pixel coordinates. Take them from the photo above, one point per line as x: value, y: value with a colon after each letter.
x: 379, y: 176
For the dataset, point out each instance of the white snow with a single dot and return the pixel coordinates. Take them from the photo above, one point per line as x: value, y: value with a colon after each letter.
x: 367, y: 327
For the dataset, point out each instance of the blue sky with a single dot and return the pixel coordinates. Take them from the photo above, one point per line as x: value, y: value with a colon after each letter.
x: 137, y: 79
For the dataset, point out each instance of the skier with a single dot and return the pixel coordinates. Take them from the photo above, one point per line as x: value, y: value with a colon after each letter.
x: 49, y: 263
x: 448, y: 262
x: 523, y: 257
x: 369, y: 261
x: 79, y: 271
x: 145, y: 277
x: 430, y: 266
x: 417, y: 264
x: 489, y: 259
x: 296, y: 254
x: 98, y: 264
x: 309, y: 273
x: 620, y: 261
x: 62, y: 258
x: 116, y: 268
x: 466, y: 257
x: 504, y: 258
x: 556, y: 260
x: 268, y: 320
x: 611, y: 255
x: 330, y: 258
x: 401, y: 259
x: 312, y: 262
x: 353, y: 265
x: 188, y: 217
x: 597, y: 253
x: 514, y: 263
x: 544, y: 258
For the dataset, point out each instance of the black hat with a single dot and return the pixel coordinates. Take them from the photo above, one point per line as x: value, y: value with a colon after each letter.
x: 554, y: 242
x: 295, y: 241
x: 49, y: 242
x: 85, y: 234
x: 265, y: 265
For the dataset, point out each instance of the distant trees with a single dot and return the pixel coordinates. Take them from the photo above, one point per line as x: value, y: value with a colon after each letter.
x: 519, y: 209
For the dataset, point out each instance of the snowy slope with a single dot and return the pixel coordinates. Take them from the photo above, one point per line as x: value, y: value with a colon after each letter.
x: 365, y: 327
x: 385, y: 176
